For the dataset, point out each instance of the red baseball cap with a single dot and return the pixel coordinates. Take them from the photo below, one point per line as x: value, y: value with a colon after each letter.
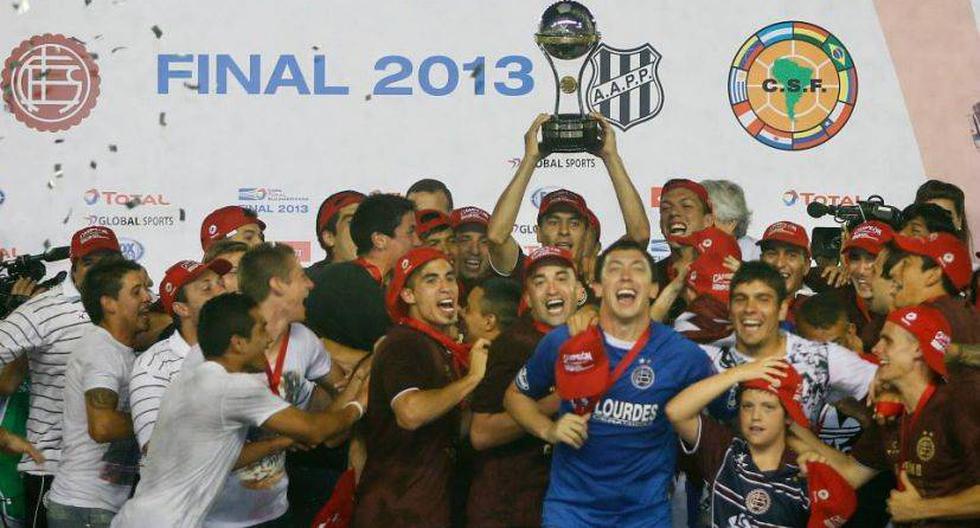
x: 790, y: 392
x: 183, y: 273
x: 594, y: 224
x: 404, y: 267
x: 832, y: 499
x: 473, y: 216
x: 563, y: 197
x: 870, y: 236
x: 930, y: 328
x: 709, y: 276
x: 582, y: 369
x: 786, y: 232
x: 91, y: 239
x: 429, y: 220
x: 546, y: 254
x: 221, y: 222
x: 711, y: 240
x: 946, y: 250
x: 693, y: 186
x: 333, y: 204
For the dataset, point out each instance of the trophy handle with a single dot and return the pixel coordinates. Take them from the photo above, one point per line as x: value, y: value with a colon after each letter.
x: 588, y: 59
x: 554, y: 73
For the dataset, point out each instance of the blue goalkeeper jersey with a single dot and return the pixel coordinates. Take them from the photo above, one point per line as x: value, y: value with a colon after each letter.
x: 622, y: 475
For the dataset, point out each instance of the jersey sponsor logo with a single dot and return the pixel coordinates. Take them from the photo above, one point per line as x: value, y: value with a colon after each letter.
x: 625, y: 85
x: 792, y: 85
x: 521, y: 380
x: 642, y: 377
x: 925, y: 447
x: 629, y: 414
x: 758, y: 501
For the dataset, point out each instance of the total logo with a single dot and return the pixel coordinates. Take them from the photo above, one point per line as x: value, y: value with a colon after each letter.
x: 99, y: 197
x: 3, y: 197
x: 131, y: 249
x: 539, y: 195
x: 792, y: 197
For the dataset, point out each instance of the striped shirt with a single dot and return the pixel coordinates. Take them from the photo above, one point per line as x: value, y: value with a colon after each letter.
x: 153, y: 372
x: 46, y: 328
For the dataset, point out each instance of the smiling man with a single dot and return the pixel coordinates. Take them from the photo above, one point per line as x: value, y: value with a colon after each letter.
x: 786, y: 247
x: 758, y: 303
x: 861, y: 251
x: 419, y: 377
x: 471, y: 248
x: 98, y: 451
x: 615, y: 451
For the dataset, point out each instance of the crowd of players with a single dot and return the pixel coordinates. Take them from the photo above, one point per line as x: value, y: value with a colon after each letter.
x: 428, y: 372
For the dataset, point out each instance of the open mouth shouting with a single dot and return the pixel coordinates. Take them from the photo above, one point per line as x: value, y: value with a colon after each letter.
x: 554, y: 306
x: 447, y: 307
x: 472, y: 264
x: 626, y: 296
x: 676, y: 229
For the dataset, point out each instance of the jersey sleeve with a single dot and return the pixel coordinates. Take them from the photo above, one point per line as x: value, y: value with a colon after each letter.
x: 536, y: 378
x: 407, y: 365
x: 708, y: 452
x: 317, y: 359
x: 848, y: 374
x: 104, y: 369
x: 502, y: 366
x: 248, y: 401
x: 146, y: 389
x: 18, y: 334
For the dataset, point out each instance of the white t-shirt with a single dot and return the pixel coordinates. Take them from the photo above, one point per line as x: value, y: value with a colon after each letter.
x: 154, y: 371
x: 830, y: 372
x: 93, y: 475
x: 202, y: 422
x: 257, y: 493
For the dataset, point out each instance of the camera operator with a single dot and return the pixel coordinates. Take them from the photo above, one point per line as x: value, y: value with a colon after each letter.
x: 46, y: 329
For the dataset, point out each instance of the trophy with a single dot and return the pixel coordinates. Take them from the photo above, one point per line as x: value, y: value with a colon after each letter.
x: 567, y: 36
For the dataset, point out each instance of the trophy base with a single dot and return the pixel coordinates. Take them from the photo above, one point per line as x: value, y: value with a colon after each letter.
x: 571, y: 133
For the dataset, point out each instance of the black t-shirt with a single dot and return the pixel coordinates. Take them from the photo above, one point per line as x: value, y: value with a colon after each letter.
x: 346, y: 305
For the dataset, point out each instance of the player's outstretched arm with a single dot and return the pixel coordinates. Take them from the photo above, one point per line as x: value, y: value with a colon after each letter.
x: 630, y: 203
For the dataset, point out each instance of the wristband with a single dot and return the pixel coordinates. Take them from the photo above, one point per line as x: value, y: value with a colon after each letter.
x: 360, y: 408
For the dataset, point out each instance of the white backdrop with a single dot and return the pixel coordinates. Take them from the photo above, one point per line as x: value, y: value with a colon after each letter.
x: 218, y: 148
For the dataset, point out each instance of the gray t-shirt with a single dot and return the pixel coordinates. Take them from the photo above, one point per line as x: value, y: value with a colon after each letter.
x: 94, y: 475
x: 199, y: 434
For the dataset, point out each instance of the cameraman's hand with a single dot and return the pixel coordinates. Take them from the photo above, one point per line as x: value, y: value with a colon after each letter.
x: 26, y: 287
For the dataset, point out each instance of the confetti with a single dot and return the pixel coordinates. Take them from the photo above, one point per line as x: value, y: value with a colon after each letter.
x: 44, y: 73
x: 95, y: 56
x: 47, y: 244
x: 87, y: 2
x: 92, y: 164
x: 477, y: 71
x: 59, y: 141
x: 157, y: 31
x: 117, y: 48
x: 190, y: 85
x: 57, y: 170
x: 113, y: 148
x: 50, y: 184
x: 182, y: 214
x: 367, y: 97
x: 163, y: 119
x: 65, y: 221
x: 22, y: 7
x: 132, y: 203
x: 316, y: 48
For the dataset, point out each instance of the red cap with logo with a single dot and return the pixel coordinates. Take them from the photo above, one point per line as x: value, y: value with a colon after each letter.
x: 870, y: 236
x: 546, y: 254
x: 711, y: 240
x: 404, y: 267
x: 333, y: 204
x: 930, y: 328
x: 582, y: 370
x: 221, y: 222
x: 91, y: 239
x: 470, y: 215
x: 832, y: 499
x: 787, y: 232
x: 594, y: 224
x: 429, y: 220
x: 182, y: 274
x: 709, y: 276
x: 563, y: 197
x: 946, y: 250
x: 693, y: 186
x: 789, y: 391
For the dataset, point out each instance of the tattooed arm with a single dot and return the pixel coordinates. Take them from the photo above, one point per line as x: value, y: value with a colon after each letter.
x: 105, y: 422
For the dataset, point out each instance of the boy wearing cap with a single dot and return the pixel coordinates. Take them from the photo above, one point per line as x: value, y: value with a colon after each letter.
x: 615, y: 452
x: 752, y: 475
x: 933, y: 271
x: 333, y: 227
x: 45, y: 330
x: 419, y: 377
x: 932, y: 446
x: 563, y: 217
x: 186, y: 286
x: 511, y: 470
x: 434, y: 229
x: 204, y: 420
x: 99, y: 451
x: 232, y: 222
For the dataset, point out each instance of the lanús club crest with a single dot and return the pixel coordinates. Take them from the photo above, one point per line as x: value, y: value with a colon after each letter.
x: 625, y: 85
